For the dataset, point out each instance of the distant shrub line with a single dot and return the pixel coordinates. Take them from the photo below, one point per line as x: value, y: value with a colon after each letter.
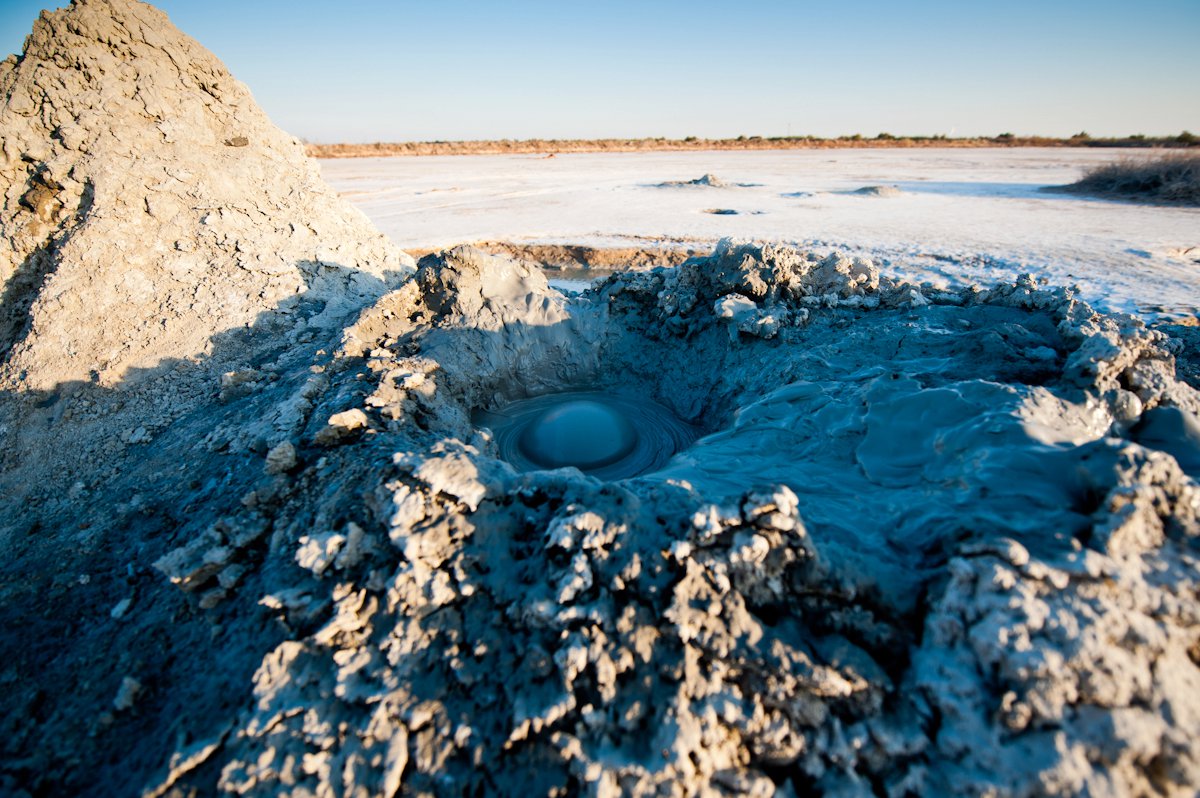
x: 549, y: 146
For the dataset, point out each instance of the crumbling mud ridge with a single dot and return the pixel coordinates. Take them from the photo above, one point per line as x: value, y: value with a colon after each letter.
x: 928, y: 541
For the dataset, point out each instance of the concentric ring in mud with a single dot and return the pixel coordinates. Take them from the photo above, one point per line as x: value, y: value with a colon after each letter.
x: 603, y: 435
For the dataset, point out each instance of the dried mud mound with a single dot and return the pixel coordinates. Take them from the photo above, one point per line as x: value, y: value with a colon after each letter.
x: 149, y: 203
x: 153, y: 223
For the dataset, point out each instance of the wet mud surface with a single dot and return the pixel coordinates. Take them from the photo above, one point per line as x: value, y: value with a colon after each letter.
x: 605, y: 435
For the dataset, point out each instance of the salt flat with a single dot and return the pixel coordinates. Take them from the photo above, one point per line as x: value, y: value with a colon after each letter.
x: 961, y: 216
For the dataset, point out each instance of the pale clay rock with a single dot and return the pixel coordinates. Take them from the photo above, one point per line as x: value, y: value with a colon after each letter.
x: 282, y: 458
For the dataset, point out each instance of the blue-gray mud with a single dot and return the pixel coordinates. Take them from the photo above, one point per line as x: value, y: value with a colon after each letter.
x: 920, y: 548
x: 605, y: 435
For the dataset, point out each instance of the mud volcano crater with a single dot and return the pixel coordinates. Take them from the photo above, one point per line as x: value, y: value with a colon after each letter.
x: 604, y: 435
x: 954, y: 410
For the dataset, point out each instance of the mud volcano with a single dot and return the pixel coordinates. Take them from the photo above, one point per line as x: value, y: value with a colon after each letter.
x: 606, y: 436
x: 896, y: 481
x: 258, y: 540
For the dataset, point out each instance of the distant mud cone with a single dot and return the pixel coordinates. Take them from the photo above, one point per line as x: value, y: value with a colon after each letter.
x: 149, y: 203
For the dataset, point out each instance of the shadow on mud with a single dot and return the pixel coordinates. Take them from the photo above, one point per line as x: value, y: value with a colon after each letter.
x: 109, y: 668
x: 983, y: 190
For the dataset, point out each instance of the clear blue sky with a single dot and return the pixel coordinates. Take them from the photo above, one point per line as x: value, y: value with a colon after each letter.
x: 451, y: 69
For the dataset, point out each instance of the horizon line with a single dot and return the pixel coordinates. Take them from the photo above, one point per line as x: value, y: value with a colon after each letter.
x: 1184, y: 140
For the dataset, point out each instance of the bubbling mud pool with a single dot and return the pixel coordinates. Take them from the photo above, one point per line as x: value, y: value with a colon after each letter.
x: 603, y: 435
